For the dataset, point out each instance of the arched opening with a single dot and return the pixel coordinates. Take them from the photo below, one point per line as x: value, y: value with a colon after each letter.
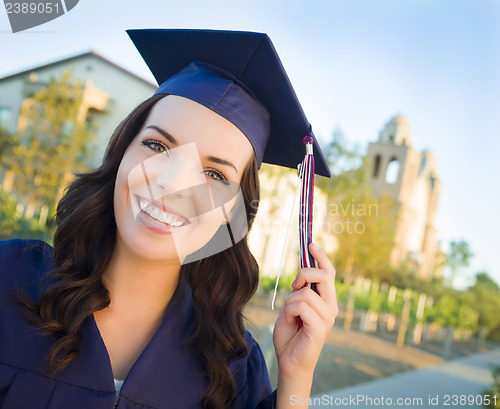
x: 432, y: 180
x: 392, y: 172
x: 376, y: 166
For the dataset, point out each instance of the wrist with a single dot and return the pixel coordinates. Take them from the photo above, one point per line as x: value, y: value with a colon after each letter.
x: 291, y: 372
x: 293, y: 391
x: 305, y: 377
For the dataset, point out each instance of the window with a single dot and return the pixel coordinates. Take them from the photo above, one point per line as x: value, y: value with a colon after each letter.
x: 392, y: 172
x: 432, y: 179
x: 376, y: 166
x: 423, y: 164
x: 5, y: 117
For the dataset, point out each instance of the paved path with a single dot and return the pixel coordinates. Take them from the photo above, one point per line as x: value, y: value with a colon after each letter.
x: 431, y: 387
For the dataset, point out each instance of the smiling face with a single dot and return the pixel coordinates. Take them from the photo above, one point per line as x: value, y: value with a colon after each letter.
x: 179, y: 180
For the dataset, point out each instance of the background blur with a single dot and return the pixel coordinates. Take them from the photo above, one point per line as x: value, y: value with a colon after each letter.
x: 403, y: 96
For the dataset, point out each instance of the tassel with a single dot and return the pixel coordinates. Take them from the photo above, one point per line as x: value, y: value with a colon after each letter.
x: 306, y: 210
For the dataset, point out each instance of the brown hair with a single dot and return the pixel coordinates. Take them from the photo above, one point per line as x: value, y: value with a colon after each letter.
x: 84, y: 242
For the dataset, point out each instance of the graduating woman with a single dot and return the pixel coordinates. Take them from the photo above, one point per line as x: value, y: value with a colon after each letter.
x: 139, y: 303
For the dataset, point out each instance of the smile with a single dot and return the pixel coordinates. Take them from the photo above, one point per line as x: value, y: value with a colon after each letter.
x: 161, y: 215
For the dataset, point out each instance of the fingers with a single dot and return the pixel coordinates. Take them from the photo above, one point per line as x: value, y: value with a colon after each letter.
x: 323, y: 276
x: 311, y: 299
x: 319, y: 255
x: 301, y: 309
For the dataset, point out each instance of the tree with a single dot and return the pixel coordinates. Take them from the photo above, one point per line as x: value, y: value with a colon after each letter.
x: 458, y: 256
x: 13, y: 225
x: 365, y: 234
x: 347, y: 166
x: 54, y: 142
x: 7, y: 142
x: 364, y: 225
x: 486, y: 298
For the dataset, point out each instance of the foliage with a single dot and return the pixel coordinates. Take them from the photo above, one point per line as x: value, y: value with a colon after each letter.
x: 458, y: 256
x: 495, y: 390
x: 444, y: 312
x: 54, y: 141
x: 268, y: 283
x: 347, y: 167
x: 7, y: 142
x: 366, y: 236
x: 364, y: 225
x: 485, y: 298
x: 13, y: 225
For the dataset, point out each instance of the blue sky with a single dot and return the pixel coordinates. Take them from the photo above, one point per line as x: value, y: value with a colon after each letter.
x: 354, y: 64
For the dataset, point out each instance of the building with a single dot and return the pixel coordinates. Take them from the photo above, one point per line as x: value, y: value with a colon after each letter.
x: 110, y: 93
x: 410, y: 178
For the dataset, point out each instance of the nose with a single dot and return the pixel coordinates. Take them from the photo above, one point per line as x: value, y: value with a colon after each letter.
x: 179, y: 172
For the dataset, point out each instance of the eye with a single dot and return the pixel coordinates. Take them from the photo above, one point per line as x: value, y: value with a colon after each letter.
x: 217, y: 175
x: 157, y: 146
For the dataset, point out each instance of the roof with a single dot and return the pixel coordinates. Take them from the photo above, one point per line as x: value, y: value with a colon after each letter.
x: 77, y: 57
x: 400, y: 120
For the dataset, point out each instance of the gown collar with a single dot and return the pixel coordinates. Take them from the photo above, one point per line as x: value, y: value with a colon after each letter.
x: 92, y: 366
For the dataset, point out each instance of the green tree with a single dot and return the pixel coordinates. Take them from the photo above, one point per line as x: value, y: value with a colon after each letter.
x: 365, y: 235
x: 13, y: 225
x: 54, y: 142
x: 486, y: 301
x: 364, y: 225
x: 458, y: 256
x: 7, y: 142
x: 347, y: 166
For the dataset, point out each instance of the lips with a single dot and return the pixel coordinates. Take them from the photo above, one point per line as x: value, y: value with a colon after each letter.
x: 161, y: 214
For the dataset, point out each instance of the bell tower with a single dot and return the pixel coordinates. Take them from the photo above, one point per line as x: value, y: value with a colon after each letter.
x: 410, y: 178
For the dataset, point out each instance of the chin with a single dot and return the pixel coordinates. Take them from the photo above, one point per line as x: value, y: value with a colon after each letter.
x: 148, y: 247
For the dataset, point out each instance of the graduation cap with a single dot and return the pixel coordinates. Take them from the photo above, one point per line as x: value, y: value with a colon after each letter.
x: 239, y: 76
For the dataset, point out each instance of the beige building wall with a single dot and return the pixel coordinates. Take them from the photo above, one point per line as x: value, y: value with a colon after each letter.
x: 267, y: 237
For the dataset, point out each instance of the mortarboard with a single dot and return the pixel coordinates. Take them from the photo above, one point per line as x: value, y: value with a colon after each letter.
x: 238, y: 75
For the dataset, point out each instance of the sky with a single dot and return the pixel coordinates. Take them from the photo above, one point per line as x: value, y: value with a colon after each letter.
x: 354, y: 65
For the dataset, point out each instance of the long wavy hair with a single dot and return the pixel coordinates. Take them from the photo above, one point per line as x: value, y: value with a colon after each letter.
x: 84, y: 241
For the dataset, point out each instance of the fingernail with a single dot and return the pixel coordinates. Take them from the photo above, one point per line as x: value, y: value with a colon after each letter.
x: 293, y: 283
x: 314, y: 246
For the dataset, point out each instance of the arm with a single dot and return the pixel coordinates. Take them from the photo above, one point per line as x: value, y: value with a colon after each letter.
x: 298, y: 351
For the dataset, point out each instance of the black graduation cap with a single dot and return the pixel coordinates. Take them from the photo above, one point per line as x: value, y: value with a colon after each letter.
x: 238, y: 75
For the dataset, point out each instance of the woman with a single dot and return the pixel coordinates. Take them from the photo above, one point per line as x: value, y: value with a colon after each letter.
x: 150, y: 268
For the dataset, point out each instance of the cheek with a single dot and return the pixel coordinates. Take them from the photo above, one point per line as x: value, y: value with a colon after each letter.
x: 128, y: 176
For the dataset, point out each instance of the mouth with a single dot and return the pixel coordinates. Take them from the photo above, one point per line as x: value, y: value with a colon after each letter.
x: 162, y: 215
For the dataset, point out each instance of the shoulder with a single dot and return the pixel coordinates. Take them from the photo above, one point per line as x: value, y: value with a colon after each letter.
x: 23, y: 262
x: 253, y: 347
x: 251, y: 377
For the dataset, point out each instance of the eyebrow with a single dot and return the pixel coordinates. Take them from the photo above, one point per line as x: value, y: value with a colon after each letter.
x: 222, y: 162
x: 171, y: 139
x: 167, y: 136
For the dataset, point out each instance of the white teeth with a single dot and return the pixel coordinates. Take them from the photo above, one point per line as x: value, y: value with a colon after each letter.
x: 155, y: 213
x: 160, y: 215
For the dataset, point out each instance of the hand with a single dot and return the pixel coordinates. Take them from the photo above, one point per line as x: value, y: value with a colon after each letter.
x: 298, y: 351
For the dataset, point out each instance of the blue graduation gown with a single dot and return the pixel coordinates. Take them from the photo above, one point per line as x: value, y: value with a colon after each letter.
x: 164, y: 376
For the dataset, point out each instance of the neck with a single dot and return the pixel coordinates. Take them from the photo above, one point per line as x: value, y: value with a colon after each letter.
x: 139, y: 285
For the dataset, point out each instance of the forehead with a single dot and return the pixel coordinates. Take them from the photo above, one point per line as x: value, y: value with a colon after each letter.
x: 187, y: 121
